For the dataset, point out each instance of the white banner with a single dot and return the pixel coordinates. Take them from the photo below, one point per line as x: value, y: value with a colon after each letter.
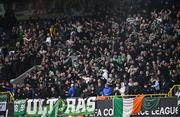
x: 3, y: 106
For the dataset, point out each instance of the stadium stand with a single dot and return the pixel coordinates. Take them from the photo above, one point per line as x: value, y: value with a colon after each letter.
x: 97, y: 55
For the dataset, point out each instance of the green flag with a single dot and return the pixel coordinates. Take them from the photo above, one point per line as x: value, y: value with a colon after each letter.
x: 150, y: 103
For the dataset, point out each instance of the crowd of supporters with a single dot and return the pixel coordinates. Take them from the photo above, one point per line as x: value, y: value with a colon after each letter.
x: 94, y: 55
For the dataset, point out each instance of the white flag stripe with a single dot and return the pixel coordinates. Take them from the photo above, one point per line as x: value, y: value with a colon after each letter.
x: 127, y: 107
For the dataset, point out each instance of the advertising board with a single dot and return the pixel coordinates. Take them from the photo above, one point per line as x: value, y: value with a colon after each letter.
x: 167, y: 108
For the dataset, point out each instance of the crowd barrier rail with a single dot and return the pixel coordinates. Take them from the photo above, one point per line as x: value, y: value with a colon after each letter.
x: 164, y: 106
x: 146, y: 95
x: 173, y: 90
x: 171, y: 93
x: 10, y: 97
x: 21, y: 78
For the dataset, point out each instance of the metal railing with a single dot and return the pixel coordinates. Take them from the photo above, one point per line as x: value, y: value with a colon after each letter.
x: 131, y: 96
x: 170, y: 93
x: 146, y: 95
x: 10, y: 97
x: 173, y: 90
x: 20, y: 78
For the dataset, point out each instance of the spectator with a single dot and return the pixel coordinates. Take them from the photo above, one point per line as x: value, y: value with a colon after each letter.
x: 71, y: 91
x: 122, y: 89
x: 107, y: 91
x: 156, y: 85
x: 140, y: 50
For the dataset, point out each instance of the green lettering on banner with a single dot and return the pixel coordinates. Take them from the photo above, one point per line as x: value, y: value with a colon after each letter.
x: 55, y: 110
x: 19, y: 107
x: 54, y: 107
x: 40, y: 107
x: 77, y: 106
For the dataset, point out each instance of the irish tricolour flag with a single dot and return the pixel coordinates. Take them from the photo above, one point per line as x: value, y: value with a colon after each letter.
x: 125, y: 107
